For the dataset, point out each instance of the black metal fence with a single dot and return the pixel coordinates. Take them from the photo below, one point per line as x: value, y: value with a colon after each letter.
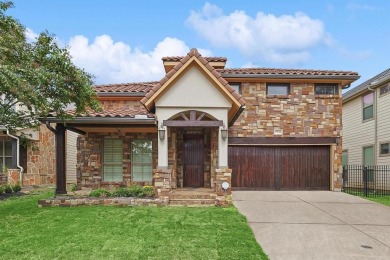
x: 368, y: 181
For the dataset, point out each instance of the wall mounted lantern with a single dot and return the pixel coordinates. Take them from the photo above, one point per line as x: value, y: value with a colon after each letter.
x: 224, y: 133
x: 161, y: 132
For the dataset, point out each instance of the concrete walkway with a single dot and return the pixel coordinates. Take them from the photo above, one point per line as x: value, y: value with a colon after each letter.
x: 316, y: 224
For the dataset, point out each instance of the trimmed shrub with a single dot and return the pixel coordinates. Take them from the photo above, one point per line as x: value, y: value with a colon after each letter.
x: 7, y: 188
x: 100, y: 193
x: 148, y: 191
x: 136, y: 191
x: 17, y: 187
x: 121, y: 192
x: 2, y: 189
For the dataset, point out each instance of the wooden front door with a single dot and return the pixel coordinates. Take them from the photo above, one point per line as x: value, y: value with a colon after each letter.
x: 193, y: 161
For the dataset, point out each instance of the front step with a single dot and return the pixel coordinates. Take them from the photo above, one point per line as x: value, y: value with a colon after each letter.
x: 192, y: 202
x: 192, y: 196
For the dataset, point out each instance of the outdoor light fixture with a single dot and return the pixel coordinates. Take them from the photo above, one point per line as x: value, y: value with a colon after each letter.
x: 224, y: 133
x: 161, y: 132
x: 337, y: 140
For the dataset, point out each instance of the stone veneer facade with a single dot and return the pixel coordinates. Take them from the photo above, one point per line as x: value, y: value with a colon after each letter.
x: 90, y: 156
x: 40, y: 157
x: 299, y: 114
x: 41, y: 161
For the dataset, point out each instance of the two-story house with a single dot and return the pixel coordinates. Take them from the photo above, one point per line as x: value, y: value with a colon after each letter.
x: 366, y: 122
x: 204, y: 124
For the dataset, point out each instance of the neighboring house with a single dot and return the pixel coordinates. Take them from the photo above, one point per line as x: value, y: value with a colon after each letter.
x: 28, y: 156
x: 202, y: 125
x: 366, y: 122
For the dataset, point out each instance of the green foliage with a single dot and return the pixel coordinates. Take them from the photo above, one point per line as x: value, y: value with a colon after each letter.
x: 8, y: 188
x: 136, y: 191
x: 39, y: 76
x: 2, y: 189
x: 74, y: 187
x: 17, y: 187
x: 148, y: 191
x: 100, y: 193
x: 121, y: 192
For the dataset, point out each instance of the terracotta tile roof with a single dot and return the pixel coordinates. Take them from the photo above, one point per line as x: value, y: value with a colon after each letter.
x: 123, y: 113
x: 192, y: 53
x: 126, y: 87
x: 178, y: 58
x: 293, y: 72
x: 363, y: 86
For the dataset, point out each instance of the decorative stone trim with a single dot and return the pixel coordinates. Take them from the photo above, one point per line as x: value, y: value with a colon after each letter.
x: 74, y: 202
x: 222, y: 175
x: 162, y: 179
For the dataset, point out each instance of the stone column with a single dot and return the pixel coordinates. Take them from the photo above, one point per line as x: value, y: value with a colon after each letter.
x: 221, y: 176
x: 162, y: 178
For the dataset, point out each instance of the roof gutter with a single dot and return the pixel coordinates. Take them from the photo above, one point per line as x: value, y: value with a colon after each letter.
x: 242, y: 108
x: 101, y: 120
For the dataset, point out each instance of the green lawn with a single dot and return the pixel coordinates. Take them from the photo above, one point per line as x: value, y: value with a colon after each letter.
x: 385, y: 200
x: 101, y: 232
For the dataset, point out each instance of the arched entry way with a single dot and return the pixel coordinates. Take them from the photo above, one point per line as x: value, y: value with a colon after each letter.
x: 192, y: 147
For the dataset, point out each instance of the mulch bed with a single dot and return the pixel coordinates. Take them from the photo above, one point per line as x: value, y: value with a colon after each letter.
x: 5, y: 196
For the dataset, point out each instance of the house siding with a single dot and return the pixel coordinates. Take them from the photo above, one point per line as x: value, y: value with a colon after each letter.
x: 383, y: 126
x: 357, y: 134
x: 71, y: 157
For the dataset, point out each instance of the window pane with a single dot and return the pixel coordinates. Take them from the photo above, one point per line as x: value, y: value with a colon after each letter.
x: 113, y: 160
x: 277, y: 90
x: 8, y: 148
x: 113, y: 172
x: 368, y: 99
x: 236, y: 87
x: 368, y: 112
x: 8, y: 162
x: 368, y: 155
x: 385, y: 89
x: 325, y: 89
x: 142, y: 160
x: 385, y: 148
x: 345, y: 158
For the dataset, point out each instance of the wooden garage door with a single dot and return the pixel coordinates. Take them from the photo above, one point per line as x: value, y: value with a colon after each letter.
x: 280, y: 167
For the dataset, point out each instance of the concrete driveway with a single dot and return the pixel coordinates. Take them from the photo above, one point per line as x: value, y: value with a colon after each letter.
x: 316, y: 224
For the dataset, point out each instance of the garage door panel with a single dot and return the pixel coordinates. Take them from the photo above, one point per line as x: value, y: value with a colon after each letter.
x: 280, y: 168
x: 253, y: 167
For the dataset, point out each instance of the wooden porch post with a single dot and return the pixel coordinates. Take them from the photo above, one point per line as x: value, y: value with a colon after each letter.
x: 60, y: 159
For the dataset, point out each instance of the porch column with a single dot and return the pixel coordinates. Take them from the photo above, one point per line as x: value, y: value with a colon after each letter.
x: 60, y: 159
x: 222, y: 150
x: 163, y: 148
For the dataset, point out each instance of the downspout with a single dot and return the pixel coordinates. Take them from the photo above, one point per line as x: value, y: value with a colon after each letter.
x: 17, y: 156
x: 376, y: 124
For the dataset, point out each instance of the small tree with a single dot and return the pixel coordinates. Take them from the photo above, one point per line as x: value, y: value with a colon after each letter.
x: 38, y: 76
